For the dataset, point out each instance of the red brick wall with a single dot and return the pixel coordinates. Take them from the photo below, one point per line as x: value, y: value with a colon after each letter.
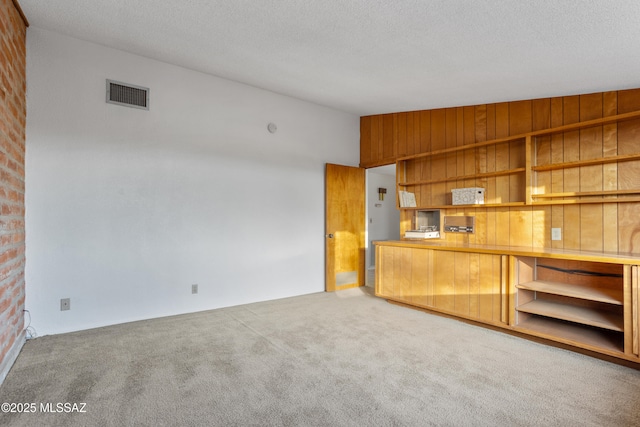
x: 12, y: 150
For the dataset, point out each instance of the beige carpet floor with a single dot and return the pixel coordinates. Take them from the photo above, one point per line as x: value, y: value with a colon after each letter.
x: 326, y: 359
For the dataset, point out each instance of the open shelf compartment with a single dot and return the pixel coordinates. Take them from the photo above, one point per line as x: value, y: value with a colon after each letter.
x: 576, y: 302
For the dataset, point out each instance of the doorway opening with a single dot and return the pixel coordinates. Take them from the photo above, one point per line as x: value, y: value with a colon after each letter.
x: 383, y: 218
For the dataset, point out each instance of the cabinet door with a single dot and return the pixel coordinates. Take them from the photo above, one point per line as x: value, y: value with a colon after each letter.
x: 468, y: 284
x: 444, y: 288
x: 491, y: 288
x: 404, y: 274
x: 385, y: 271
x: 422, y: 277
x: 459, y: 283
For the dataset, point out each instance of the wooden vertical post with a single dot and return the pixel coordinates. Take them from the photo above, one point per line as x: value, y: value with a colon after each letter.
x: 629, y: 329
x: 507, y: 313
x: 635, y: 306
x: 529, y: 162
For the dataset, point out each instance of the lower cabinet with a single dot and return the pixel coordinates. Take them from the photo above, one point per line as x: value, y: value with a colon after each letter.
x: 593, y: 305
x: 580, y: 299
x: 469, y: 285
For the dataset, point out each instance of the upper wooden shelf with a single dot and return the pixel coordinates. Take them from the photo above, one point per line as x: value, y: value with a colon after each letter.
x: 591, y: 162
x: 530, y: 169
x: 524, y: 136
x: 585, y: 201
x: 463, y: 147
x: 586, y: 124
x: 463, y: 177
x: 585, y: 194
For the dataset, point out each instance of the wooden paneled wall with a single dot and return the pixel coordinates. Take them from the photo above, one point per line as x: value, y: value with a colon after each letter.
x: 613, y: 227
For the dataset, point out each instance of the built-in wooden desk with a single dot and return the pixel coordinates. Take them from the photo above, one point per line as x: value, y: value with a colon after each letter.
x: 581, y: 298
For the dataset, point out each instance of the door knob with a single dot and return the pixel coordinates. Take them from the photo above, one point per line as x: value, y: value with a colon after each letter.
x: 329, y: 236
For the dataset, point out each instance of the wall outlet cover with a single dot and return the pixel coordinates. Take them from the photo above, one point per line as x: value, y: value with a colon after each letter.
x: 65, y: 304
x: 556, y: 234
x: 194, y: 289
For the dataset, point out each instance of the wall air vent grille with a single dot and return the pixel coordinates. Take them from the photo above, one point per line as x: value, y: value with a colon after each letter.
x: 127, y: 95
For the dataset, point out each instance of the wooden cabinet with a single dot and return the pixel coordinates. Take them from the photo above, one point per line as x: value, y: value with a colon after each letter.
x: 466, y: 284
x: 584, y: 299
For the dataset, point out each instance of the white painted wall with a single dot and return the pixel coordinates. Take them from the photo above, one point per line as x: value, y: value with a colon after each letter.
x: 383, y: 217
x: 126, y: 208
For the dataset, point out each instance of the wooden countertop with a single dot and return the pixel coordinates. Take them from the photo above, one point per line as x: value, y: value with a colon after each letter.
x: 530, y: 251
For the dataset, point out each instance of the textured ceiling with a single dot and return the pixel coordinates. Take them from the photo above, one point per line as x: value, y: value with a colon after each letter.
x: 374, y: 56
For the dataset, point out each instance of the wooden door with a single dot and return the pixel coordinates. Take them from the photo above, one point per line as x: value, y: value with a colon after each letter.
x: 344, y: 227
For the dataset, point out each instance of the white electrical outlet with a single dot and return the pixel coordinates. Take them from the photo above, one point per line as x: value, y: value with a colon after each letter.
x: 194, y: 289
x: 556, y: 234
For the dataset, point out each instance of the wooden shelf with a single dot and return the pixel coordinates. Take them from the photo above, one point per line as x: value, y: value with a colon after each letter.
x: 517, y: 204
x: 587, y: 201
x: 591, y: 162
x: 464, y: 147
x: 486, y: 205
x: 463, y: 177
x: 591, y: 293
x: 575, y: 197
x: 586, y: 124
x: 585, y: 194
x: 522, y: 137
x: 577, y: 314
x: 578, y: 335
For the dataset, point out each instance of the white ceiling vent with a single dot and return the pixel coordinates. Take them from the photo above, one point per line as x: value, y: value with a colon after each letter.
x: 127, y: 95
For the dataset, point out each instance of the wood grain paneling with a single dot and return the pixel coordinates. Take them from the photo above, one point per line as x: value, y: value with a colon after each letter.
x: 443, y: 281
x: 557, y: 181
x: 400, y: 133
x: 438, y: 166
x: 571, y: 177
x: 376, y: 139
x: 586, y: 226
x: 365, y: 140
x: 388, y: 136
x: 610, y: 173
x: 422, y: 279
x: 466, y: 284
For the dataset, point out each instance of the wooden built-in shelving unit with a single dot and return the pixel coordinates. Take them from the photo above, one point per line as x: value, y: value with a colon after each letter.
x: 407, y: 167
x: 584, y: 299
x: 570, y: 163
x: 557, y: 299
